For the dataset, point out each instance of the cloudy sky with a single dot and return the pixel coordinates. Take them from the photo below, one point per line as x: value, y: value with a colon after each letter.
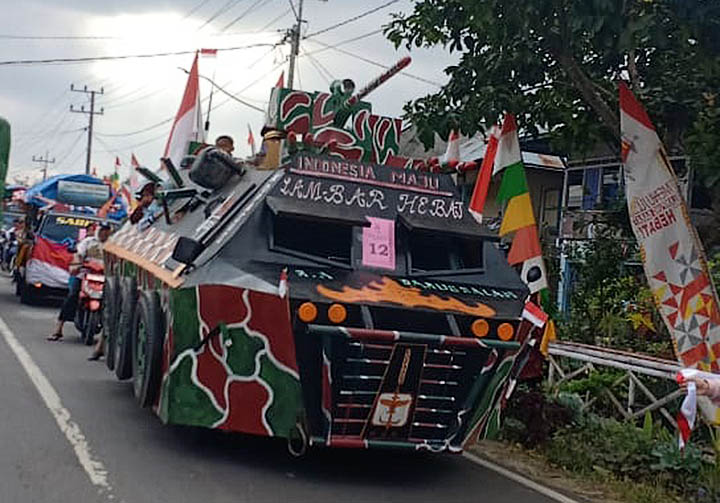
x: 142, y: 95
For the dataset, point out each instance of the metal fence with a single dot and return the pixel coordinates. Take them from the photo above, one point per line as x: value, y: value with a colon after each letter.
x: 570, y: 360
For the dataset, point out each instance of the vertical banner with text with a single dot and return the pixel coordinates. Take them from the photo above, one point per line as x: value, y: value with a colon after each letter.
x: 672, y: 254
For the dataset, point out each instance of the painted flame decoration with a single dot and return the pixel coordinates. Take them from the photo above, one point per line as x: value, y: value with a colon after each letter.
x: 388, y: 290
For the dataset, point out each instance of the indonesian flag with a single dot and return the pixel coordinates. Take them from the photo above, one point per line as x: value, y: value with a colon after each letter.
x: 251, y: 140
x: 133, y: 179
x: 519, y: 217
x: 452, y: 153
x: 283, y: 284
x: 534, y: 314
x: 188, y: 121
x: 482, y: 183
x: 281, y: 80
x: 208, y: 53
x: 673, y: 257
x: 49, y: 264
x: 126, y: 193
x: 688, y: 409
x: 117, y: 163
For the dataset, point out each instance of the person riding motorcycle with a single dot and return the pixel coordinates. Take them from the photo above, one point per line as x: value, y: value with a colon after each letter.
x: 89, y: 248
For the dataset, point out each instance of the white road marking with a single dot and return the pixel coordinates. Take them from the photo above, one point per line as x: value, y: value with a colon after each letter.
x: 94, y: 468
x: 531, y: 484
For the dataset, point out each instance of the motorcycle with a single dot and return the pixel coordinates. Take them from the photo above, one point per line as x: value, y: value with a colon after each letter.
x: 9, y: 248
x: 88, y: 316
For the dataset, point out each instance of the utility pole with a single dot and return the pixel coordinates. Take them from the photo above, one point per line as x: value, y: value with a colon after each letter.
x: 295, y: 44
x: 92, y: 114
x: 46, y: 160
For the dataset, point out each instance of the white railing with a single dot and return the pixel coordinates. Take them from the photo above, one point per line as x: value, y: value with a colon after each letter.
x: 640, y: 399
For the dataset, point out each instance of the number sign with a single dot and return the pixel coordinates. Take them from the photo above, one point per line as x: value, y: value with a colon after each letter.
x: 379, y: 243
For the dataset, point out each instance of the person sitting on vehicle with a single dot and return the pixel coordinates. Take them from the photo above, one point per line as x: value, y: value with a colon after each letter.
x: 89, y: 248
x: 145, y: 197
x: 214, y: 165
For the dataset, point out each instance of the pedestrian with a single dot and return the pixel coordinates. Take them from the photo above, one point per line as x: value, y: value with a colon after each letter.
x: 89, y: 248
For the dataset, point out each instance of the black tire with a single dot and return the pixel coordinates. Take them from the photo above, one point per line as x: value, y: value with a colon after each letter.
x: 111, y: 310
x: 92, y: 322
x: 123, y: 334
x: 148, y: 338
x: 27, y: 294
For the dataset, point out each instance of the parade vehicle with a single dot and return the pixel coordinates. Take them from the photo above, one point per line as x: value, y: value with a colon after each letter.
x: 334, y: 295
x: 68, y: 212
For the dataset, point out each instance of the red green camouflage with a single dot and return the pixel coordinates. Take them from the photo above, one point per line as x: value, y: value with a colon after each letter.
x: 244, y: 376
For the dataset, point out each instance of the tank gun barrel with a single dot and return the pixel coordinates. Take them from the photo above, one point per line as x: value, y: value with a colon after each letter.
x: 380, y: 80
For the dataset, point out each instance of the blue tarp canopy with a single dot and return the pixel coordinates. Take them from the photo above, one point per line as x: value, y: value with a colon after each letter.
x: 41, y: 193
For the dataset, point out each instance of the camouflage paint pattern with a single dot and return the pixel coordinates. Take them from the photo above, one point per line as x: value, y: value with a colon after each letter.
x: 367, y: 137
x: 242, y: 377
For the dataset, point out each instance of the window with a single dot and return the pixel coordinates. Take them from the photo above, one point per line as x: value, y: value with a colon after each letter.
x: 433, y: 253
x: 54, y: 229
x: 324, y: 241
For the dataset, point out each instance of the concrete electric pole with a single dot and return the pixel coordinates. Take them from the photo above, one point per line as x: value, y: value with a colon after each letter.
x: 295, y: 44
x: 92, y: 114
x: 44, y: 160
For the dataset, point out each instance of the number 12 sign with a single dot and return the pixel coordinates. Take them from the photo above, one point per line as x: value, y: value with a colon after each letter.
x: 379, y: 243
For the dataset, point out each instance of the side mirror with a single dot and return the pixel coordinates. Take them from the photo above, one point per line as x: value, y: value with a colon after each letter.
x: 187, y: 250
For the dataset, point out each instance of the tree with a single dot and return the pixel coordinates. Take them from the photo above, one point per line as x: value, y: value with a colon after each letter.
x: 555, y: 64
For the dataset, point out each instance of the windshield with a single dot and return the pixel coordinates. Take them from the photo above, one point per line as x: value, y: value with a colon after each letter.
x: 60, y: 228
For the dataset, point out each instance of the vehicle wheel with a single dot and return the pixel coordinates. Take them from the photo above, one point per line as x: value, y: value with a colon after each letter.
x: 92, y: 321
x: 27, y: 295
x: 148, y: 338
x: 110, y: 313
x: 123, y: 334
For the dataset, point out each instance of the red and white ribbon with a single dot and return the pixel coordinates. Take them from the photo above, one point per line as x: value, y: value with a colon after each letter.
x: 688, y: 409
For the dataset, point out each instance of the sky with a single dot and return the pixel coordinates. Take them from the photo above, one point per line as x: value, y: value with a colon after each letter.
x: 141, y: 96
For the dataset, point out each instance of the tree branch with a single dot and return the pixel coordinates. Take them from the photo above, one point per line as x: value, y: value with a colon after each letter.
x: 633, y: 71
x: 586, y: 87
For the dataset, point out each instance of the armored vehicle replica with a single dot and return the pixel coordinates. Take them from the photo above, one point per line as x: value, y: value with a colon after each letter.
x: 335, y: 294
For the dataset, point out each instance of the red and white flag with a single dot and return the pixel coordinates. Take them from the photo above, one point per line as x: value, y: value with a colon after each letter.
x: 49, y: 264
x: 534, y: 314
x: 673, y: 257
x: 133, y: 179
x: 117, y: 164
x: 188, y: 121
x: 251, y: 140
x: 281, y: 80
x: 452, y: 153
x: 208, y: 53
x: 688, y: 409
x: 482, y: 183
x: 283, y: 284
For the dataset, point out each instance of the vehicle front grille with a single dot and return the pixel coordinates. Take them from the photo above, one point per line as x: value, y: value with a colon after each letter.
x: 439, y: 390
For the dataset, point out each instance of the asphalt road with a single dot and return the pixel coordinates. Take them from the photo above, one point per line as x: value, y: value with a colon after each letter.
x: 149, y: 462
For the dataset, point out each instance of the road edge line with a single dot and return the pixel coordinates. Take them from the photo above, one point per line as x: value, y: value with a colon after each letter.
x: 95, y: 469
x: 529, y: 483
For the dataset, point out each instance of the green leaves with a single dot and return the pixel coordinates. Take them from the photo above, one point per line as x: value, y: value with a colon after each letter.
x: 555, y: 63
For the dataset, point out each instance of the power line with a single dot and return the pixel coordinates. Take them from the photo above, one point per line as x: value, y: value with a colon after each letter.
x: 57, y: 37
x: 226, y: 7
x: 343, y: 42
x: 245, y: 13
x: 270, y: 23
x: 352, y: 19
x: 195, y: 9
x: 375, y: 63
x: 126, y: 56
